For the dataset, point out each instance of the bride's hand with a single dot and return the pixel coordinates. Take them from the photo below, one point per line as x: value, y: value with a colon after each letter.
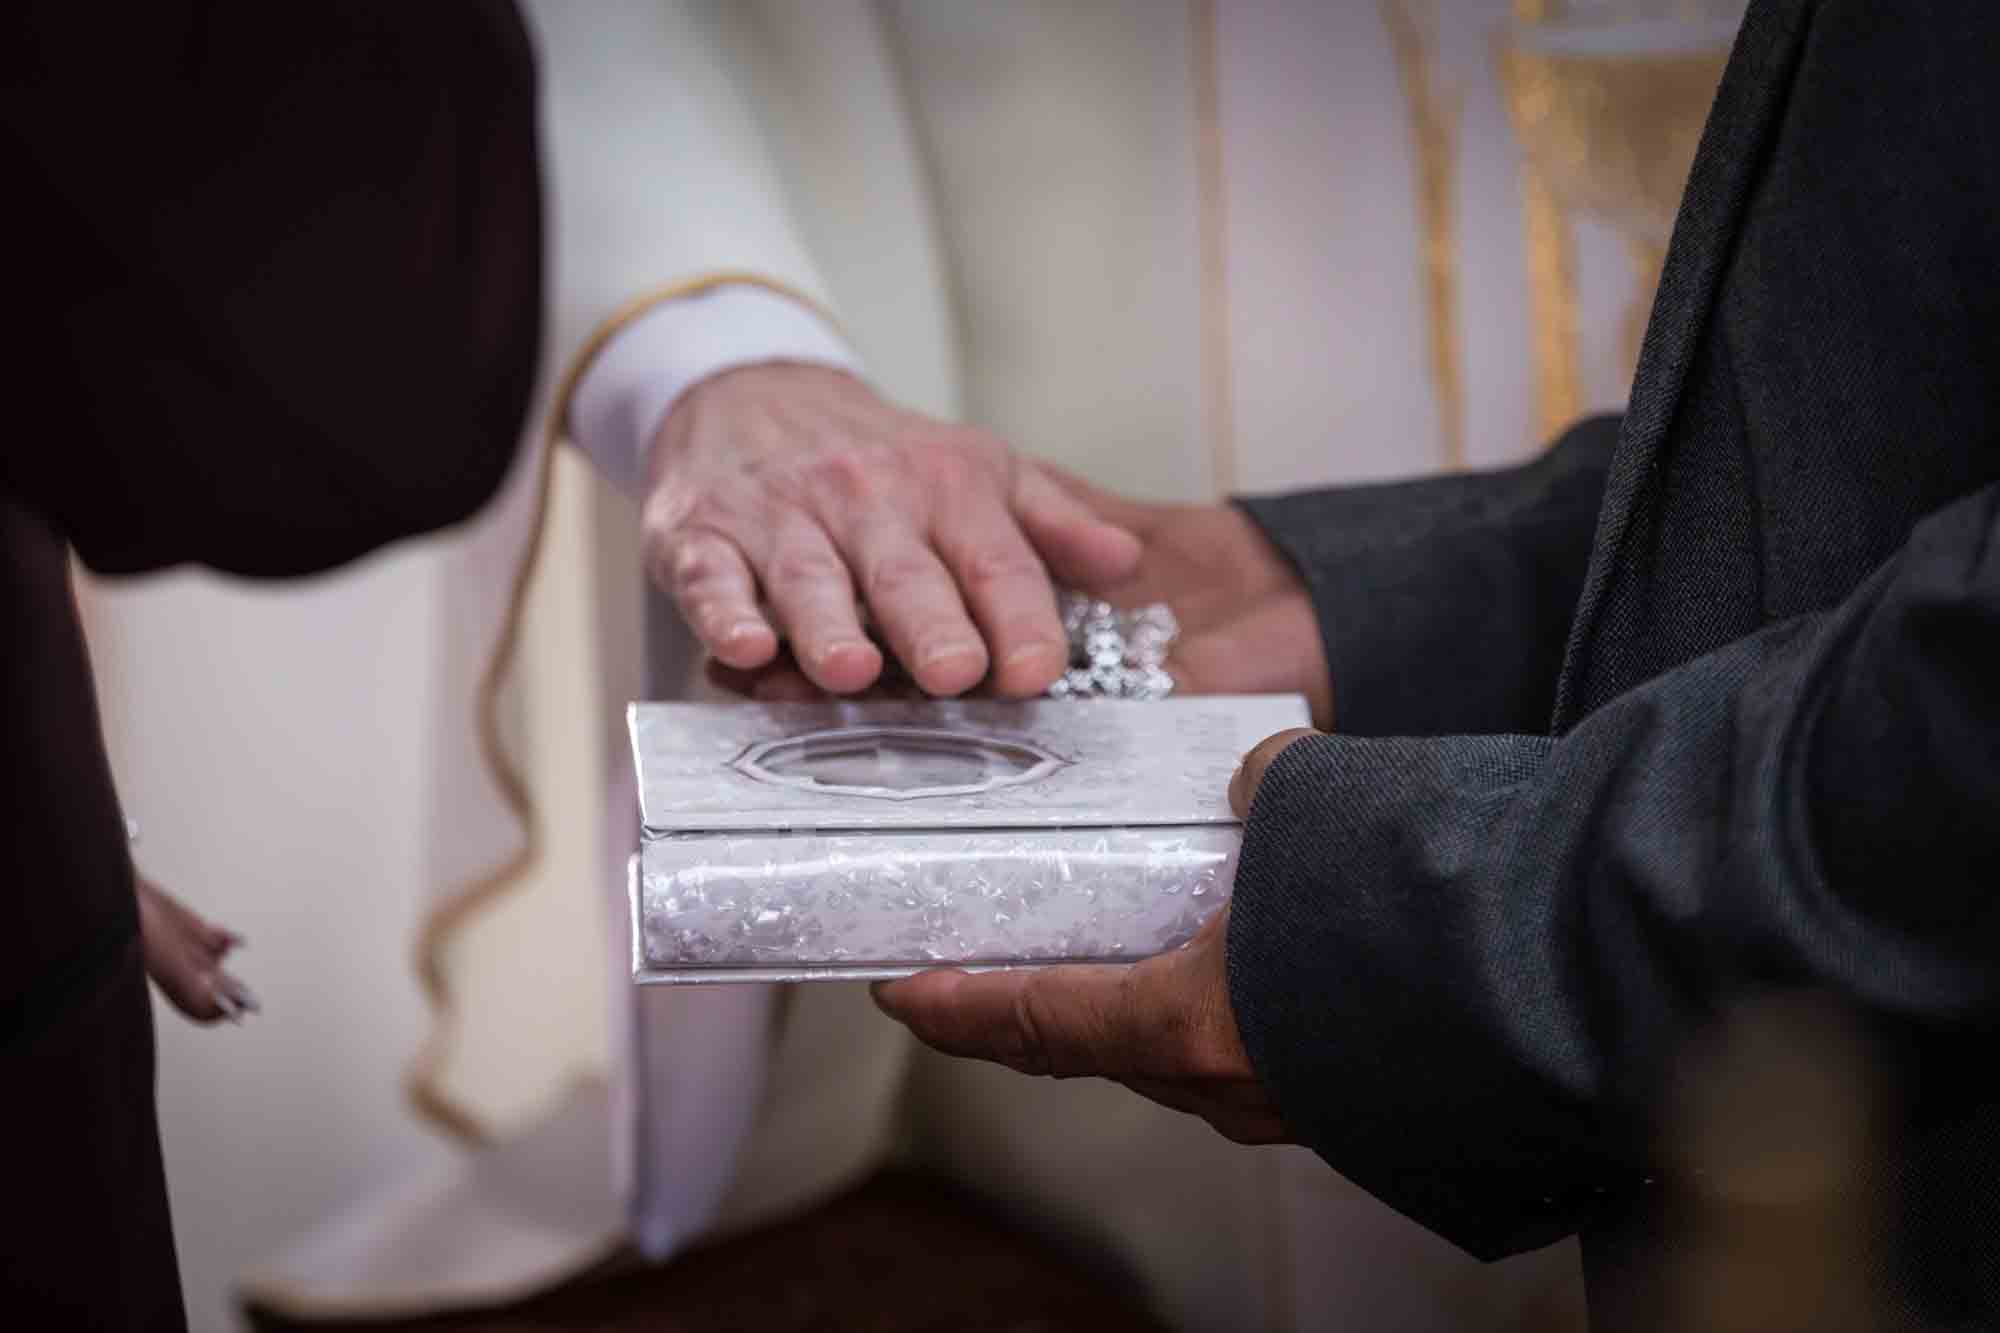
x: 184, y: 958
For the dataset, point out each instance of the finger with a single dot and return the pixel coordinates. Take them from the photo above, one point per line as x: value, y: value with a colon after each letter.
x: 1250, y: 774
x: 1256, y: 653
x: 179, y: 971
x: 1133, y: 516
x: 1085, y: 545
x: 712, y: 584
x: 1008, y: 589
x: 188, y: 990
x: 173, y: 951
x: 176, y: 920
x: 233, y: 997
x: 809, y: 588
x: 1067, y: 1020
x: 914, y: 603
x: 212, y: 939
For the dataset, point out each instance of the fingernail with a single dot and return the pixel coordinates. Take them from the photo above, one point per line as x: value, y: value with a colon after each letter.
x: 742, y: 629
x: 235, y: 997
x: 839, y: 647
x: 1027, y: 651
x: 938, y: 652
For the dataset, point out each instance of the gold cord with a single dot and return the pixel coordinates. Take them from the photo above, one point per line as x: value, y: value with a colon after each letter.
x: 422, y: 1079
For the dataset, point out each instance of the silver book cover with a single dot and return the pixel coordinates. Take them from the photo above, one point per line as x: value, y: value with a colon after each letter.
x: 860, y: 840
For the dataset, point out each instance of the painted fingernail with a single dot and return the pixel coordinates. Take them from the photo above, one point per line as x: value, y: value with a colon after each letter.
x: 235, y: 998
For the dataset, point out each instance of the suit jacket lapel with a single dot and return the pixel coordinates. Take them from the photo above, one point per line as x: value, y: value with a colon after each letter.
x: 1741, y: 131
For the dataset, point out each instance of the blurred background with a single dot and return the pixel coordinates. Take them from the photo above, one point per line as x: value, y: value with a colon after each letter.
x: 1190, y: 250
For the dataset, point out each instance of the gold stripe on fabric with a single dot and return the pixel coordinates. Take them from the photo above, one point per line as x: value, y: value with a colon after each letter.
x: 1434, y: 115
x: 1218, y: 398
x: 1552, y: 305
x: 1649, y: 260
x: 1551, y: 259
x: 1611, y: 135
x: 423, y: 1077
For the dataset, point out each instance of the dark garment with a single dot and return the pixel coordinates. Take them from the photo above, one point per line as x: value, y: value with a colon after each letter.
x: 276, y: 294
x: 1768, y: 760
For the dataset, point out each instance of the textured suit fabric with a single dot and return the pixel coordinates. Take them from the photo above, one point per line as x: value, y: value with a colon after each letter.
x: 277, y: 302
x: 1469, y: 965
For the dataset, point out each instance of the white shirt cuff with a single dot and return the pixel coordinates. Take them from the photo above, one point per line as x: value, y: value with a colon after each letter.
x: 641, y: 373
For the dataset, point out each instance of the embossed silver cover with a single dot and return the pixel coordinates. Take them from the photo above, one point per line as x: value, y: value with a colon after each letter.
x: 846, y: 840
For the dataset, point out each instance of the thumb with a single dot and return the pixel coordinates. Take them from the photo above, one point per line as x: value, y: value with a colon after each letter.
x: 1249, y: 774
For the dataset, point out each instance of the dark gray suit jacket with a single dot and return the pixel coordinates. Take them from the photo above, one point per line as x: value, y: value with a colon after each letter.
x: 1701, y: 706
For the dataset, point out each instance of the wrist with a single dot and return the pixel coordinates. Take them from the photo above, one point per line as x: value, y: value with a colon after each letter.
x: 621, y: 404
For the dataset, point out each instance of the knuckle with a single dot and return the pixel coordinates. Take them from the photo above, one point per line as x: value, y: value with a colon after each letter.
x: 957, y: 462
x: 896, y: 576
x: 846, y: 476
x: 782, y: 482
x: 796, y: 565
x: 1031, y: 1020
x: 678, y: 518
x: 694, y: 566
x: 996, y: 564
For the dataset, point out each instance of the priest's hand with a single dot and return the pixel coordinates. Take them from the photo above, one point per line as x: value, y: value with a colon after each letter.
x: 783, y: 498
x: 1247, y: 623
x: 184, y: 958
x: 1163, y: 1028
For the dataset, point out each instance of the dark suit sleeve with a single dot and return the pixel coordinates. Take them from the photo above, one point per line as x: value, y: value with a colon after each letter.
x: 1463, y: 965
x: 1444, y: 603
x: 281, y: 273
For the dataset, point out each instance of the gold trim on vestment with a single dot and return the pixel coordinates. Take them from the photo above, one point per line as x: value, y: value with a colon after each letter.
x: 422, y: 1077
x: 1434, y: 108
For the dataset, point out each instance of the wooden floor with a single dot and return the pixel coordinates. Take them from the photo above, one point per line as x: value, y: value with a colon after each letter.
x: 897, y: 1254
